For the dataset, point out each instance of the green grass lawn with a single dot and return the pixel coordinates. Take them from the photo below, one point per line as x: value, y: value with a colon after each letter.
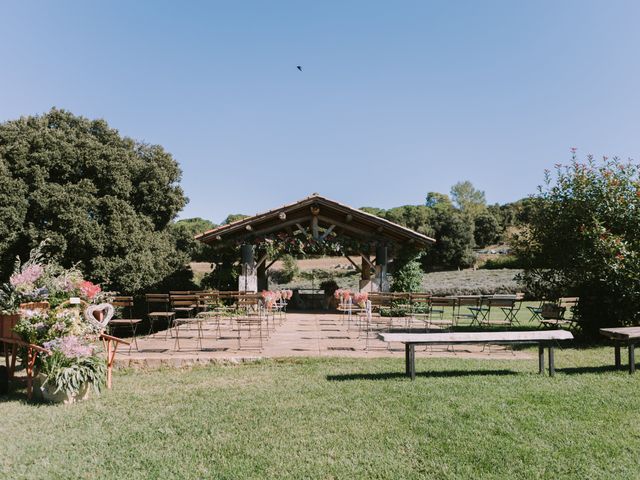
x: 339, y: 418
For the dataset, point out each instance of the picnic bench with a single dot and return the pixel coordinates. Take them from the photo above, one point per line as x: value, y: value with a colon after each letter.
x: 624, y: 335
x: 545, y: 338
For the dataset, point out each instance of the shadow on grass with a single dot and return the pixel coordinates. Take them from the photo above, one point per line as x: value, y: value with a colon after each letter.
x: 431, y: 374
x: 598, y: 369
x: 17, y: 393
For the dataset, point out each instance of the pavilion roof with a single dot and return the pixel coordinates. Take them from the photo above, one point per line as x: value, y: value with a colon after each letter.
x: 342, y: 219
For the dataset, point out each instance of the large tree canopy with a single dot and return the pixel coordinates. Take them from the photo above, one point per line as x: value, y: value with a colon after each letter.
x: 584, y: 240
x: 104, y: 200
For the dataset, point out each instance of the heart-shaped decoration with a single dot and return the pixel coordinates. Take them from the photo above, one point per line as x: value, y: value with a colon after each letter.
x: 104, y: 315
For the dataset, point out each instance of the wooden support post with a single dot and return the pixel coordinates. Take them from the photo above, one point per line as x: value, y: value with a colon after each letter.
x: 552, y: 366
x: 327, y: 232
x: 412, y: 358
x: 263, y: 281
x: 632, y: 358
x: 541, y: 359
x: 366, y: 268
x: 407, y: 359
x: 32, y: 355
x: 358, y: 269
x: 617, y: 355
x: 262, y: 260
x: 110, y: 348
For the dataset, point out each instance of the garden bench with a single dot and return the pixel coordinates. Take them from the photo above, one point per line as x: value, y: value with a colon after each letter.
x: 544, y: 338
x: 624, y: 335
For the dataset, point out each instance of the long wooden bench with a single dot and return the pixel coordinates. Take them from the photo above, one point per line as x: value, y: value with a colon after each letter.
x: 624, y: 335
x: 545, y: 338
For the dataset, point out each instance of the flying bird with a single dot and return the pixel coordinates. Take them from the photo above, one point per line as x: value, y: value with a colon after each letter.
x: 299, y: 67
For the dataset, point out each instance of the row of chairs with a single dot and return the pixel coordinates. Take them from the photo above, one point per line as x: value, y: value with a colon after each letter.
x: 245, y: 311
x: 478, y: 309
x: 555, y: 313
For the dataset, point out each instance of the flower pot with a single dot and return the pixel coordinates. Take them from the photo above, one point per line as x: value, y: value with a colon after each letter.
x: 50, y: 395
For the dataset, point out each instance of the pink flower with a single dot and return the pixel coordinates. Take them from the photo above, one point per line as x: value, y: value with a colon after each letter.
x: 360, y: 298
x: 89, y: 289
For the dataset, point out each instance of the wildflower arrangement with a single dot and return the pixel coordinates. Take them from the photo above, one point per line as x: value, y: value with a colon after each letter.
x: 72, y: 366
x: 41, y: 326
x: 73, y: 363
x: 39, y: 280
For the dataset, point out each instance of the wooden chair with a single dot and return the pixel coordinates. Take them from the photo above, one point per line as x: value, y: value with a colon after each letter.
x: 507, y: 304
x: 126, y: 304
x: 186, y: 305
x: 559, y: 314
x: 207, y: 300
x: 251, y: 321
x: 467, y: 301
x: 155, y: 300
x: 441, y: 313
x: 183, y: 303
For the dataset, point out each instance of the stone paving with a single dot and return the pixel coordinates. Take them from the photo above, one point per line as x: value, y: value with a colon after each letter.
x: 297, y: 335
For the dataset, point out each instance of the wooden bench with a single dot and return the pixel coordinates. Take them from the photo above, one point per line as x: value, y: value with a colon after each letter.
x: 624, y: 335
x: 545, y: 338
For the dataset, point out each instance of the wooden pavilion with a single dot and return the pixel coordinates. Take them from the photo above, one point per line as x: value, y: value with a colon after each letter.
x: 320, y: 220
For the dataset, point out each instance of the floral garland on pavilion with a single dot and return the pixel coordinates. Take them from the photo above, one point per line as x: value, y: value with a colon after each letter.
x: 48, y: 298
x: 301, y: 244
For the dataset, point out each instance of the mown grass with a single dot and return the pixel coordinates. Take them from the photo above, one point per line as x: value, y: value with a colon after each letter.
x: 339, y: 418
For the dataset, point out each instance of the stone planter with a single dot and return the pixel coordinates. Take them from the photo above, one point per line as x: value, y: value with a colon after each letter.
x: 47, y: 393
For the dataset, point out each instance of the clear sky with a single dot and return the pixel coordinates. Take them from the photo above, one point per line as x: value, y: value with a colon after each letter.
x: 395, y: 99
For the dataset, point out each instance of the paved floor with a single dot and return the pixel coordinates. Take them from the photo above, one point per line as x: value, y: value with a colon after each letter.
x: 299, y: 334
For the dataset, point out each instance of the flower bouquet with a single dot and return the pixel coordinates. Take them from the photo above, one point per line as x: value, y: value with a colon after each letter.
x: 361, y: 298
x: 343, y: 295
x: 72, y: 370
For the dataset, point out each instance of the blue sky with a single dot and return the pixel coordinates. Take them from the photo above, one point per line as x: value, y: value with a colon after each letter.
x: 395, y: 99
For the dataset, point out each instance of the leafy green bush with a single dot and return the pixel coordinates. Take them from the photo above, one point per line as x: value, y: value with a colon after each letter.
x: 407, y: 275
x: 329, y: 287
x: 584, y: 240
x: 290, y: 269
